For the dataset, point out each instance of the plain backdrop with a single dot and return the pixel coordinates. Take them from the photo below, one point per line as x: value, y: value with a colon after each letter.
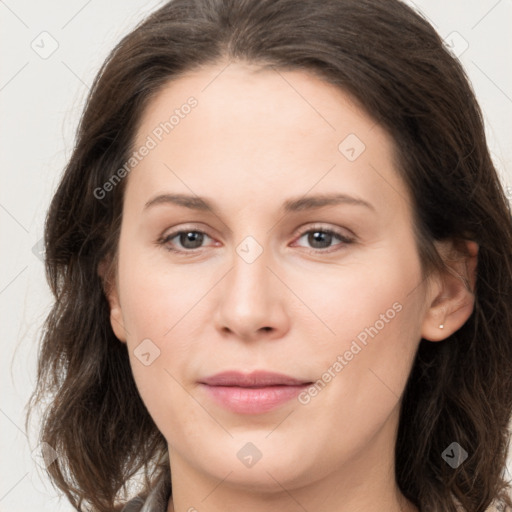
x: 51, y: 52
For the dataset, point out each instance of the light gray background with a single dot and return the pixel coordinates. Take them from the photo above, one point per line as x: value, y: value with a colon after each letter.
x: 41, y: 101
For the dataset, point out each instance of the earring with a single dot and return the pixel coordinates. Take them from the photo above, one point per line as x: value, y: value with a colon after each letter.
x: 441, y: 326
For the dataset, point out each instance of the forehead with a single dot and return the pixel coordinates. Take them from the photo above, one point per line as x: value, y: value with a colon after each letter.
x: 262, y: 133
x: 267, y: 99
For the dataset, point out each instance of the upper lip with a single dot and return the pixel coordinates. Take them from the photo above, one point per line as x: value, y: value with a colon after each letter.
x: 259, y: 378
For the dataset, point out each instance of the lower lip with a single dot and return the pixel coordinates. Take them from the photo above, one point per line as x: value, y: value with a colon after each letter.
x: 253, y: 400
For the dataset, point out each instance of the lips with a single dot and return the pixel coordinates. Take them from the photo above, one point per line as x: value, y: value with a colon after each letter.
x: 256, y: 379
x: 253, y: 393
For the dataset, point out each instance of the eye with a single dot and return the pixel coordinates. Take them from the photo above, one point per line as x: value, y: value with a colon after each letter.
x: 321, y: 238
x: 190, y: 240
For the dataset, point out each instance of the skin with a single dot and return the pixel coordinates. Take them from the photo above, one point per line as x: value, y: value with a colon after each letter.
x: 256, y: 139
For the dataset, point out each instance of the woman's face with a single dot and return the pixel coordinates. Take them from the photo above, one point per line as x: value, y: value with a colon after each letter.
x: 262, y: 285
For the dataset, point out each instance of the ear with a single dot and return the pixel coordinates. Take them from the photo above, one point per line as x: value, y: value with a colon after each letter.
x: 112, y: 295
x: 453, y: 300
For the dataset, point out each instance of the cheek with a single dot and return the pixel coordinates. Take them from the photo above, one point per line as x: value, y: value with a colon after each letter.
x: 367, y: 301
x: 155, y: 294
x: 152, y: 305
x: 374, y: 312
x: 158, y: 356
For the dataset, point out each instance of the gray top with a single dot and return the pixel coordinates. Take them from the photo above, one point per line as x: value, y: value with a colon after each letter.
x: 157, y: 500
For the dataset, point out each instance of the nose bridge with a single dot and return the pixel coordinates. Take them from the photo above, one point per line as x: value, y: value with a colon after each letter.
x: 249, y: 279
x: 249, y: 298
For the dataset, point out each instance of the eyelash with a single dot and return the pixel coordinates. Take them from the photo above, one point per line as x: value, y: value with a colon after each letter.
x: 345, y: 240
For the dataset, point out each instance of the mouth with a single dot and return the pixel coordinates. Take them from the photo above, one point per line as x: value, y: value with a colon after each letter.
x: 252, y: 393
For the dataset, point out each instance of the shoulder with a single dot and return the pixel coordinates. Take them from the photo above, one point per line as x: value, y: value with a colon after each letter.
x: 157, y: 499
x: 152, y: 503
x: 496, y: 506
x: 133, y: 505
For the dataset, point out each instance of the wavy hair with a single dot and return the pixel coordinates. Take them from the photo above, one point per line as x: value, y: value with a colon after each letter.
x: 391, y: 61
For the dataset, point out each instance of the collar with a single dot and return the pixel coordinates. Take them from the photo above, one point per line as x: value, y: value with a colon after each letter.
x: 157, y: 499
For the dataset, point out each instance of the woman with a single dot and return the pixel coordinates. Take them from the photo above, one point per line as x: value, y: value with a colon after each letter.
x: 202, y: 335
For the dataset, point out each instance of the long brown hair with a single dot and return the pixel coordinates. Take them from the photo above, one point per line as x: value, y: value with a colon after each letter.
x: 390, y: 60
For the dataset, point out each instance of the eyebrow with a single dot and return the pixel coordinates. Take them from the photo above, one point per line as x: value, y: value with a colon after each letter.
x: 290, y: 205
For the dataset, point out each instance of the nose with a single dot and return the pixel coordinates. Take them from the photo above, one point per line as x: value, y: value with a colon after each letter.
x: 252, y: 299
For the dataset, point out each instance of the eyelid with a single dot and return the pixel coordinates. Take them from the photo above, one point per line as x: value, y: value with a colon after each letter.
x: 172, y: 233
x: 344, y: 239
x: 326, y: 228
x: 299, y: 233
